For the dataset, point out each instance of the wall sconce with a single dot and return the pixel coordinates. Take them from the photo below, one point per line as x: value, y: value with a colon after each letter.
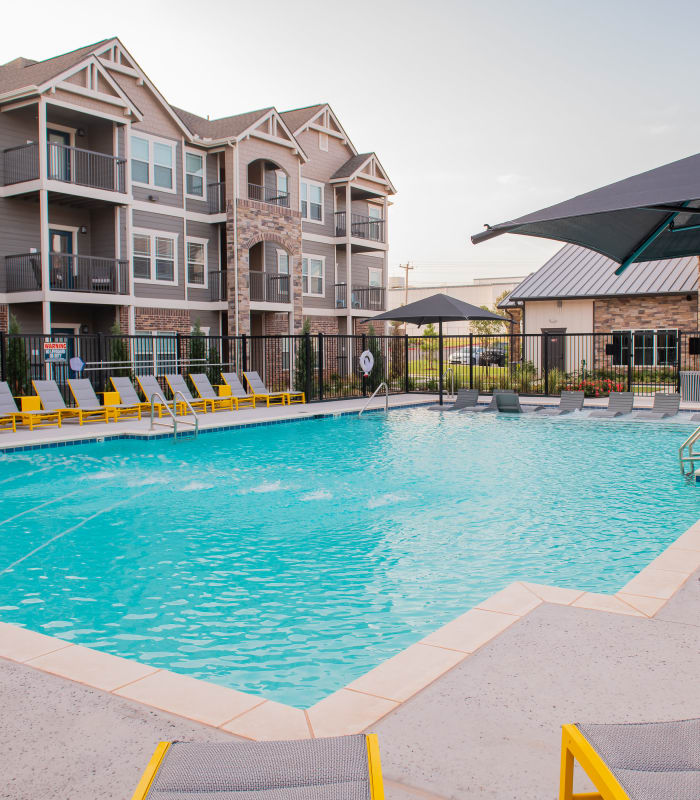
x: 80, y: 132
x: 83, y: 229
x: 152, y: 198
x: 84, y: 329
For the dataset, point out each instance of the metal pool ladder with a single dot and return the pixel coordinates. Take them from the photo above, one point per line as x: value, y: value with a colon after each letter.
x: 691, y: 456
x: 449, y: 371
x: 173, y: 412
x: 386, y: 398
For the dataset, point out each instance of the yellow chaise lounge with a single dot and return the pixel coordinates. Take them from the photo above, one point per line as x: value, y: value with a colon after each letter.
x: 10, y: 415
x: 52, y: 400
x: 86, y: 399
x: 338, y: 768
x: 258, y: 389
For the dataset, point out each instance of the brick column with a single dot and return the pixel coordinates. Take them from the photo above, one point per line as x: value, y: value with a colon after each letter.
x: 4, y: 318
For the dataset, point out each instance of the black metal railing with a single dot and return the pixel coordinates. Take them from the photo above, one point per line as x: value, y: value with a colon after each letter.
x: 365, y: 297
x: 268, y: 194
x: 269, y: 287
x: 361, y: 226
x: 341, y: 295
x: 67, y: 273
x: 20, y: 164
x: 215, y: 198
x: 22, y: 273
x: 218, y: 285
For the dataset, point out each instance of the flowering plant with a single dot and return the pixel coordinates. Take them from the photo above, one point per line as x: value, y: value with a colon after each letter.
x: 595, y: 388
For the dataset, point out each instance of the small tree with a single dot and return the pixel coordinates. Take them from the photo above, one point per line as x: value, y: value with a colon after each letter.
x: 304, y: 360
x: 396, y: 351
x: 491, y: 327
x: 198, y: 346
x: 429, y: 343
x: 214, y: 365
x: 119, y: 352
x: 376, y: 376
x: 17, y: 364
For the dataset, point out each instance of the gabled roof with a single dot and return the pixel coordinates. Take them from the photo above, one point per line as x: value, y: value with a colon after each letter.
x: 222, y: 127
x: 298, y: 117
x: 23, y: 72
x: 576, y: 272
x: 352, y: 165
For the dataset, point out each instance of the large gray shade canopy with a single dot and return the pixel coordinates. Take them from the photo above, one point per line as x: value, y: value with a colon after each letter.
x: 438, y: 308
x: 643, y: 218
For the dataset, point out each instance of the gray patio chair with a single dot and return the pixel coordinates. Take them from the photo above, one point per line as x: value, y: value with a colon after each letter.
x: 258, y: 389
x: 619, y: 403
x: 466, y: 400
x: 493, y: 406
x: 177, y: 384
x: 149, y: 386
x: 568, y: 402
x: 52, y: 400
x: 85, y: 398
x: 129, y: 396
x: 665, y: 405
x: 233, y: 382
x: 636, y: 761
x: 10, y: 415
x: 206, y: 392
x: 508, y: 403
x: 338, y: 768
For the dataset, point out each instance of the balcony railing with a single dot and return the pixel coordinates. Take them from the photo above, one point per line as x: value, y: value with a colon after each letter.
x: 67, y: 164
x: 67, y: 273
x: 370, y: 298
x: 215, y: 198
x: 361, y: 226
x: 267, y: 194
x: 218, y: 285
x: 269, y: 287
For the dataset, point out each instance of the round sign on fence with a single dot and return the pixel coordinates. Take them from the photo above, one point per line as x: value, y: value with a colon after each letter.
x: 366, y: 362
x: 77, y: 364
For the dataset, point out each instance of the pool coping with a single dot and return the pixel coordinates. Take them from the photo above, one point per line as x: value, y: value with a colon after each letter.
x: 365, y: 700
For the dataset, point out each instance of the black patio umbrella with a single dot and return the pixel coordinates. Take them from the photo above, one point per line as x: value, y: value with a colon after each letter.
x: 648, y: 217
x: 438, y: 308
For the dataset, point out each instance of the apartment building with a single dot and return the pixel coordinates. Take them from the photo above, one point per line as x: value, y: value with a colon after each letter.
x: 116, y: 206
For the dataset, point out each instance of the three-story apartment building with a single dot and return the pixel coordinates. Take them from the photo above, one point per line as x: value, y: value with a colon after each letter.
x: 117, y: 207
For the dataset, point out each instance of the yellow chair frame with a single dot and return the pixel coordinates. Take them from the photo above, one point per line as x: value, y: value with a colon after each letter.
x: 276, y: 398
x: 181, y: 407
x: 197, y: 404
x: 111, y: 411
x: 374, y: 767
x: 83, y: 414
x: 224, y: 390
x: 575, y: 747
x: 219, y: 403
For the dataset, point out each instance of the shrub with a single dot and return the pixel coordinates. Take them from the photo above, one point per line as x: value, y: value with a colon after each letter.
x: 17, y: 364
x: 119, y: 352
x: 304, y: 361
x: 600, y: 387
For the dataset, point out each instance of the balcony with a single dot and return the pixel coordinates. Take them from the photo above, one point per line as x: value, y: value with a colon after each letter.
x: 216, y: 203
x: 67, y: 273
x: 269, y: 287
x: 67, y: 164
x: 370, y: 298
x: 361, y: 226
x: 267, y: 194
x: 218, y: 285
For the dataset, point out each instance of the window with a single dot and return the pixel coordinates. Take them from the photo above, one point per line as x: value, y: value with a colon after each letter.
x: 312, y: 201
x: 312, y: 275
x: 194, y: 174
x: 375, y: 277
x: 323, y: 141
x: 285, y: 352
x: 196, y: 263
x: 282, y: 262
x: 154, y: 257
x: 152, y: 162
x: 644, y: 348
x: 620, y: 347
x: 155, y: 352
x: 282, y: 182
x: 666, y: 347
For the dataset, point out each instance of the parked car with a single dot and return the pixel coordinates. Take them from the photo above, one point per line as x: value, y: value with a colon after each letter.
x: 462, y: 356
x: 496, y: 353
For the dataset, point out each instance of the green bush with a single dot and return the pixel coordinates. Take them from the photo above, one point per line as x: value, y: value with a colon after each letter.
x: 17, y: 360
x: 119, y: 353
x: 304, y: 361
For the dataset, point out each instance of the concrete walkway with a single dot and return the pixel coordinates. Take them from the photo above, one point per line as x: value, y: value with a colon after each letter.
x: 489, y: 728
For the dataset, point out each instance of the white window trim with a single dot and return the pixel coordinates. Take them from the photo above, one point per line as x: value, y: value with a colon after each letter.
x: 151, y: 171
x: 322, y: 259
x: 176, y: 249
x: 205, y: 242
x: 322, y: 187
x: 281, y: 253
x: 203, y: 156
x: 67, y: 229
x: 52, y: 126
x: 370, y: 270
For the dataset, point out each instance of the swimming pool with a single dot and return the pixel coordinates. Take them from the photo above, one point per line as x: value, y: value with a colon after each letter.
x: 287, y: 560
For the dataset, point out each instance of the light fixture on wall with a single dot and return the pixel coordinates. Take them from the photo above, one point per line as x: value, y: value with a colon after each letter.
x: 83, y: 229
x: 84, y: 329
x: 80, y: 132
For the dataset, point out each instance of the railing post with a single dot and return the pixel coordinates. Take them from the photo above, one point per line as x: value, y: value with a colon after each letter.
x: 679, y: 355
x: 364, y: 380
x: 244, y: 352
x: 309, y: 370
x: 630, y: 342
x: 320, y: 365
x: 406, y: 384
x: 545, y: 356
x: 471, y: 360
x: 2, y: 355
x: 101, y: 357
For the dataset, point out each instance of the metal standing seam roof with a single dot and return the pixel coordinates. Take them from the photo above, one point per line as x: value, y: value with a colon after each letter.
x: 576, y: 272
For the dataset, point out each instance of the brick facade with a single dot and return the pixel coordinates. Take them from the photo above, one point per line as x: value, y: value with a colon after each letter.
x: 4, y: 318
x: 650, y: 311
x: 123, y: 318
x: 162, y: 319
x: 325, y: 325
x: 276, y: 324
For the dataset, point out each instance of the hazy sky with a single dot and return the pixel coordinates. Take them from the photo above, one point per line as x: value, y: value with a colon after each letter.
x: 479, y: 111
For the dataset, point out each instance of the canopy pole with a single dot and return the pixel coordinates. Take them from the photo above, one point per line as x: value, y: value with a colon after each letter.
x: 440, y: 358
x: 648, y: 241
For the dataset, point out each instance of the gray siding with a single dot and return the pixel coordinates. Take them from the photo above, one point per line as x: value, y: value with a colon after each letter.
x: 17, y: 128
x: 327, y: 250
x: 207, y: 319
x: 102, y: 221
x: 167, y: 224
x: 201, y: 230
x: 19, y: 226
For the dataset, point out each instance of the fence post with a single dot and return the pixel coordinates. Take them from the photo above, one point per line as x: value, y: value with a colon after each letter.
x: 545, y: 357
x: 471, y: 360
x: 630, y: 342
x: 2, y: 356
x: 244, y: 353
x: 320, y: 365
x: 309, y: 372
x: 364, y: 380
x: 679, y: 356
x: 406, y: 383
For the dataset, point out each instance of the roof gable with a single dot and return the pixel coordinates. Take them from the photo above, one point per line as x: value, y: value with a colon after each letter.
x: 319, y: 117
x: 367, y: 166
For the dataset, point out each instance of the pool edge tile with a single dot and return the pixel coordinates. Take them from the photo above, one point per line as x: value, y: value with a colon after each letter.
x: 592, y: 601
x: 470, y: 630
x: 652, y: 582
x: 649, y: 606
x: 270, y: 721
x: 23, y: 644
x: 557, y: 595
x: 347, y: 712
x: 515, y: 599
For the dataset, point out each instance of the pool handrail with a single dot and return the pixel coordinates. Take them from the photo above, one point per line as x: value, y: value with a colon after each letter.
x: 692, y: 456
x: 386, y: 398
x: 157, y: 397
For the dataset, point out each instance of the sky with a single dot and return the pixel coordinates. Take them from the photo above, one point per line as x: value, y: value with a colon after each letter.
x: 479, y: 111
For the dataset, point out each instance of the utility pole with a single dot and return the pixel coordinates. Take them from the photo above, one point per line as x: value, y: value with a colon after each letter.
x: 406, y: 267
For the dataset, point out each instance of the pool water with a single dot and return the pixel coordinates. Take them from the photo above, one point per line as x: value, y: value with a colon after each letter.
x: 287, y: 560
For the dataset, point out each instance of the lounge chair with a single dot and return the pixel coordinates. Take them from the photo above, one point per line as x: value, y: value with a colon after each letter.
x: 85, y: 398
x: 258, y: 389
x: 10, y: 415
x: 129, y: 396
x: 633, y: 761
x: 336, y: 768
x: 206, y: 392
x: 177, y: 384
x: 52, y: 400
x: 466, y: 399
x: 235, y: 386
x: 150, y: 386
x: 493, y: 405
x: 568, y: 402
x: 508, y: 403
x: 665, y: 405
x: 619, y: 403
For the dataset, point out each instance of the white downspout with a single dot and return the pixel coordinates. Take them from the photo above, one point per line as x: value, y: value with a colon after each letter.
x: 235, y: 230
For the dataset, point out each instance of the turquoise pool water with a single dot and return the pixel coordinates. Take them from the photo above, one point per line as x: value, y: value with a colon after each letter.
x: 288, y: 560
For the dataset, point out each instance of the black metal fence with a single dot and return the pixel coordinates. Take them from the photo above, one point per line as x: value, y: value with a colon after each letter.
x: 327, y: 366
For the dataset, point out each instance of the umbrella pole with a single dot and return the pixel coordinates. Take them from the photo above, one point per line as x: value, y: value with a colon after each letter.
x: 440, y: 358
